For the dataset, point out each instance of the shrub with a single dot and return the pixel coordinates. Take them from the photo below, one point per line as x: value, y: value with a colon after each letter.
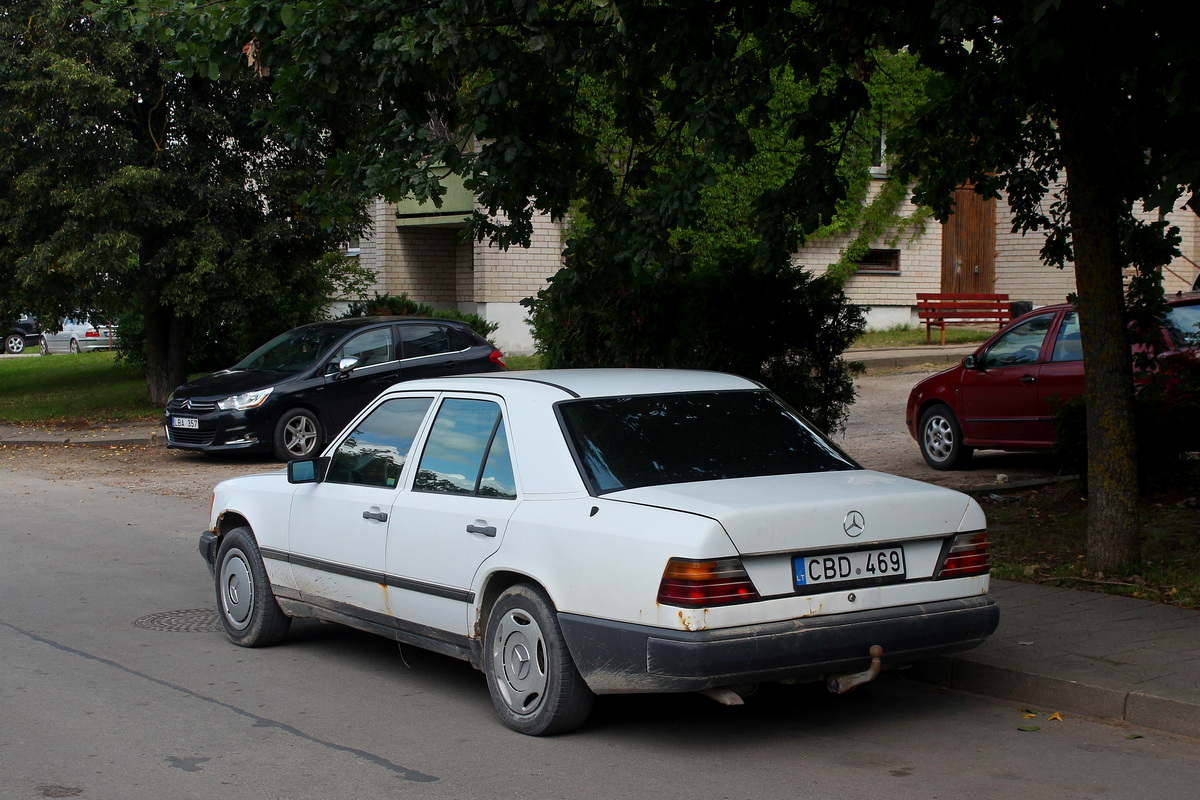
x: 784, y: 328
x: 1166, y: 407
x: 401, y: 305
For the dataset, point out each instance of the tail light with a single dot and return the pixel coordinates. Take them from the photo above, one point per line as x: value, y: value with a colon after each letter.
x: 498, y: 358
x: 693, y: 584
x: 964, y: 555
x: 92, y: 334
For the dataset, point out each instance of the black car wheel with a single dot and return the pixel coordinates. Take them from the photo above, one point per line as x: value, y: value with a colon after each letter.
x: 297, y: 435
x: 531, y: 676
x: 941, y: 438
x: 14, y: 343
x: 245, y: 603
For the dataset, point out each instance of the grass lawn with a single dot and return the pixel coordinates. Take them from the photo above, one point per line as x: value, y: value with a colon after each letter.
x: 1039, y: 536
x: 908, y: 336
x: 71, y: 390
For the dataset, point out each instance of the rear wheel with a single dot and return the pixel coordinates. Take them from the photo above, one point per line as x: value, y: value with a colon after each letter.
x: 14, y: 343
x: 297, y: 435
x: 532, y: 678
x: 941, y: 439
x: 245, y: 603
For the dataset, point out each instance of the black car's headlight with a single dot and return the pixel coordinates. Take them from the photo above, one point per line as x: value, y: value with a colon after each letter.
x: 245, y: 400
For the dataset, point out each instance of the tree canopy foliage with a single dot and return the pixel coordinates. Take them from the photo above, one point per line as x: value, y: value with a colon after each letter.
x: 130, y: 189
x: 517, y: 95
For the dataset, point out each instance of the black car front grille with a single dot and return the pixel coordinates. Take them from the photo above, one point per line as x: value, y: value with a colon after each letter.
x: 190, y: 437
x: 188, y: 405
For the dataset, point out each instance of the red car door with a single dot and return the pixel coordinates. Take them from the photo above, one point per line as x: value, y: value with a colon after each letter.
x: 1061, y: 377
x: 1001, y: 399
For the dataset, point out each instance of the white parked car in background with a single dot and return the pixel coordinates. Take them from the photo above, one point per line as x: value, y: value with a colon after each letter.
x: 585, y: 532
x: 79, y: 337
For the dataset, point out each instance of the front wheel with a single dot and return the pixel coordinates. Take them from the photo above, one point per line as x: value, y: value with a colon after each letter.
x: 941, y: 439
x: 297, y: 435
x: 245, y: 603
x: 531, y: 676
x: 74, y: 347
x: 43, y: 347
x: 14, y: 343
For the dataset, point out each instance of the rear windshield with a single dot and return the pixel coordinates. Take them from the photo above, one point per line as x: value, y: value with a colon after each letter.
x: 651, y: 440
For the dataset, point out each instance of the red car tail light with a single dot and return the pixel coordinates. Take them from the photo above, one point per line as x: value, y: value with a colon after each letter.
x: 705, y: 583
x: 498, y: 358
x: 91, y: 334
x: 965, y: 554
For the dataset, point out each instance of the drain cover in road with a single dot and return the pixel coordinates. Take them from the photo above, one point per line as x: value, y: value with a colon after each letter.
x: 191, y: 620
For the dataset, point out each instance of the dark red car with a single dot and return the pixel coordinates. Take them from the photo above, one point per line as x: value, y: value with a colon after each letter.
x: 1002, y: 396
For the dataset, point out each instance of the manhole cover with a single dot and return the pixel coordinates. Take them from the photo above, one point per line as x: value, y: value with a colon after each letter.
x: 190, y: 620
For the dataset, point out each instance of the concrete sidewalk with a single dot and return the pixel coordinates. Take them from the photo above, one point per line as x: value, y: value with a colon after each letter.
x: 1056, y: 649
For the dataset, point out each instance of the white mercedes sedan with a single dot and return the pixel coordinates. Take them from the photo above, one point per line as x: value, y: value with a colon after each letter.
x: 582, y: 532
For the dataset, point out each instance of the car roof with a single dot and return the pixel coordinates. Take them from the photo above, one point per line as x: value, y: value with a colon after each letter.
x: 354, y: 323
x: 582, y: 383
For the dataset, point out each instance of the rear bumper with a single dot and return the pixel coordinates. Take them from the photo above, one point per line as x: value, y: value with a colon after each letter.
x: 619, y: 657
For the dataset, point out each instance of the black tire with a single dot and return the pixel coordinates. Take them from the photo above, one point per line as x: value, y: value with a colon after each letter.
x: 245, y: 603
x: 531, y: 676
x: 298, y: 435
x: 74, y: 347
x: 941, y: 439
x: 43, y: 347
x: 14, y: 343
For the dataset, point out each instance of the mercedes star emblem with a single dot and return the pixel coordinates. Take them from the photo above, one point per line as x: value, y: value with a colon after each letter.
x: 854, y: 524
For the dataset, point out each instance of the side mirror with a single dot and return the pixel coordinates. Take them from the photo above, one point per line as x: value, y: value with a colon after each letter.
x: 311, y: 470
x: 969, y: 362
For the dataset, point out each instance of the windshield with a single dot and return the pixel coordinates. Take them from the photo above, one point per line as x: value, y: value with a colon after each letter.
x: 627, y: 442
x: 294, y: 351
x: 1183, y: 324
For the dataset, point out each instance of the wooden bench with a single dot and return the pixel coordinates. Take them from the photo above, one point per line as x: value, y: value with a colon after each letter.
x: 961, y: 309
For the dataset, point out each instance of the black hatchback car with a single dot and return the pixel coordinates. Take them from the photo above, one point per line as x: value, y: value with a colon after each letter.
x: 296, y: 390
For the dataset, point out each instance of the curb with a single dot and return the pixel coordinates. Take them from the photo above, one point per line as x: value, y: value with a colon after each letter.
x: 963, y: 673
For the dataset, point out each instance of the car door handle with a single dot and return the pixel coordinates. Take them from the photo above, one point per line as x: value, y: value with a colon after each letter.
x: 1027, y: 379
x: 379, y: 516
x: 486, y: 530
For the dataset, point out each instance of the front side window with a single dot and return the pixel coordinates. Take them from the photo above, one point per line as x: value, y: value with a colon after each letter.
x: 651, y: 440
x: 467, y: 452
x: 372, y: 347
x: 1020, y: 345
x: 374, y: 452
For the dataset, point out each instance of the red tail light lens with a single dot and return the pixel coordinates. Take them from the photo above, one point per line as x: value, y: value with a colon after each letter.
x: 91, y: 334
x: 693, y: 584
x: 498, y: 358
x: 966, y: 555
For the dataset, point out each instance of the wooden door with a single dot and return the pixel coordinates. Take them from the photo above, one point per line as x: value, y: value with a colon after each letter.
x: 969, y: 244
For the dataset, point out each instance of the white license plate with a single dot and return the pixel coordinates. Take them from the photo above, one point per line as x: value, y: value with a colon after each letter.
x: 185, y: 422
x: 885, y: 565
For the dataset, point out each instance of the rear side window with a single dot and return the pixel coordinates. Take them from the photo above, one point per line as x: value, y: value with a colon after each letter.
x: 424, y: 340
x: 467, y: 452
x: 627, y: 442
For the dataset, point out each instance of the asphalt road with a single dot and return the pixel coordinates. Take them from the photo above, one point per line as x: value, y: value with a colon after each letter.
x: 114, y: 684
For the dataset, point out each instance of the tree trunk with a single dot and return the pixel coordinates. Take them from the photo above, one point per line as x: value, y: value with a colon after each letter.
x: 1113, y: 538
x: 168, y: 339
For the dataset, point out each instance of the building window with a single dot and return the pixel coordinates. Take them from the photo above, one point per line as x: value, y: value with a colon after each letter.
x: 881, y: 261
x: 352, y: 247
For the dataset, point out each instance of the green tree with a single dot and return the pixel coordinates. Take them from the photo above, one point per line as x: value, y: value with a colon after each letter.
x: 130, y: 188
x: 1102, y: 95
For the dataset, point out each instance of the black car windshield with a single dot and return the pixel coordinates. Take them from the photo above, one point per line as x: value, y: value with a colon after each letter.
x: 294, y: 351
x: 651, y: 440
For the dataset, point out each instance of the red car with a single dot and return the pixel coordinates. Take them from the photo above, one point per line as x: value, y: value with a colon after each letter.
x: 1002, y: 396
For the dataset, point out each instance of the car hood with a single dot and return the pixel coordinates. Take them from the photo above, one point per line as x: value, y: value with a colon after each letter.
x: 231, y: 382
x: 784, y: 512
